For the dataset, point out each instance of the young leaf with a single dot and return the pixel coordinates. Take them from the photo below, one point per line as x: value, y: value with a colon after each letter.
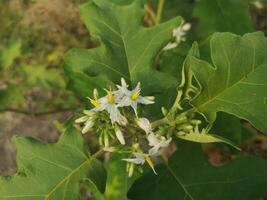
x: 190, y: 176
x: 203, y: 137
x: 236, y: 81
x: 127, y: 47
x: 222, y: 15
x: 52, y: 171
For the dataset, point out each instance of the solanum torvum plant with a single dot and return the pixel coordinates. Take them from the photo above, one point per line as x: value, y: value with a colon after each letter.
x: 136, y: 112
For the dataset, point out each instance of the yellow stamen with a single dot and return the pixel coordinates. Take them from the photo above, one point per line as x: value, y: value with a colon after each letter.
x: 150, y: 163
x: 135, y: 95
x: 111, y: 99
x: 94, y: 102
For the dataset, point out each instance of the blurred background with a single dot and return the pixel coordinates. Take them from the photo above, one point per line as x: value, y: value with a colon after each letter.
x: 35, y: 34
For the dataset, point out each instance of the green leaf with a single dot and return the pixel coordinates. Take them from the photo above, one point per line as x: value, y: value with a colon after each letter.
x: 190, y: 176
x: 222, y: 16
x: 236, y: 81
x: 10, y: 53
x: 230, y: 127
x: 127, y: 48
x: 52, y: 171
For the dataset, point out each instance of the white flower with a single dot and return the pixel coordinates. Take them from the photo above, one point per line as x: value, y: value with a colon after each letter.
x: 119, y: 135
x: 144, y: 124
x: 157, y: 143
x: 140, y: 159
x: 170, y: 45
x: 179, y: 32
x: 132, y: 98
x: 108, y: 103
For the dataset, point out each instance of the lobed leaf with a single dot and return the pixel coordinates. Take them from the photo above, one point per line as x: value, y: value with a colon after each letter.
x: 52, y: 171
x: 127, y: 49
x: 236, y: 81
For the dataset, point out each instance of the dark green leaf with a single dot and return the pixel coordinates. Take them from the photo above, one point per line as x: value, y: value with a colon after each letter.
x: 222, y: 16
x: 189, y: 176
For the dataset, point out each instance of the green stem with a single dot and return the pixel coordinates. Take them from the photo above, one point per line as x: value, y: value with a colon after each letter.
x: 158, y: 122
x: 160, y: 10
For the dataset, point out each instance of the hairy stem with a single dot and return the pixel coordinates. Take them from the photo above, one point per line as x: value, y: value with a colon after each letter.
x: 160, y: 10
x: 150, y: 11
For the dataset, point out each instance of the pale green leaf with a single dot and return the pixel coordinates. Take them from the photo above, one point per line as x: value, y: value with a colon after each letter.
x: 52, y: 171
x: 236, y: 81
x: 204, y: 137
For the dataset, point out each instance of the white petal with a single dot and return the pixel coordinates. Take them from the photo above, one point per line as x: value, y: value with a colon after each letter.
x: 95, y: 93
x: 186, y: 27
x: 88, y: 125
x: 170, y: 45
x: 121, y: 119
x: 134, y: 160
x: 140, y: 156
x: 123, y: 83
x: 112, y: 110
x: 134, y: 106
x: 152, y: 139
x: 81, y: 119
x: 144, y: 124
x: 119, y: 135
x: 88, y: 112
x: 144, y: 100
x: 154, y: 150
x: 166, y: 142
x: 137, y: 88
x: 176, y: 31
x: 125, y: 101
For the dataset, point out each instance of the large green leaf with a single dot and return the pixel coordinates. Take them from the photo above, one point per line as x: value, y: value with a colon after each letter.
x: 222, y: 15
x: 236, y: 81
x: 230, y: 127
x: 127, y: 49
x: 52, y: 171
x: 190, y: 176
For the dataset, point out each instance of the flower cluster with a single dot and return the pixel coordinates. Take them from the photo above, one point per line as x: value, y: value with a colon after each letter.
x: 179, y: 36
x: 116, y: 116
